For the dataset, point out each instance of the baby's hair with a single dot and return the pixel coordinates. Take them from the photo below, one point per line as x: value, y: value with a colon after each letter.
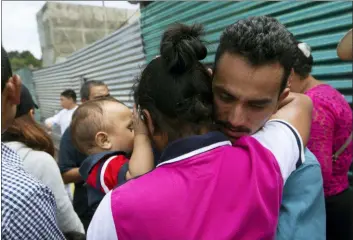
x: 176, y: 87
x: 88, y: 119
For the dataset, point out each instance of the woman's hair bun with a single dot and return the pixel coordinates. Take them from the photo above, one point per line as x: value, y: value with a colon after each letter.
x: 181, y: 47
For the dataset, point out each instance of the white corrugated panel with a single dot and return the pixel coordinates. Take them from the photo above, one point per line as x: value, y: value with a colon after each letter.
x: 116, y: 60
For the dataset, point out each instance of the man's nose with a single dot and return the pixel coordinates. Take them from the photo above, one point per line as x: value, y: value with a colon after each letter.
x: 237, y: 116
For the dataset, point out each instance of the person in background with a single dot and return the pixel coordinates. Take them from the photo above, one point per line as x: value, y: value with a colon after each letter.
x: 36, y: 150
x: 345, y: 47
x: 63, y: 118
x: 70, y: 159
x: 345, y: 53
x: 253, y: 65
x: 27, y: 207
x: 104, y: 130
x: 330, y: 141
x: 203, y: 187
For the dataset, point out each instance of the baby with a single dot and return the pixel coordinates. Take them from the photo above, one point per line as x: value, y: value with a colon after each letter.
x: 106, y: 131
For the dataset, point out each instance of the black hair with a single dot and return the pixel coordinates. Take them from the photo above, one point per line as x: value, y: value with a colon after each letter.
x: 86, y: 87
x: 74, y: 236
x: 175, y: 87
x: 261, y: 40
x: 69, y: 93
x: 6, y: 71
x: 303, y: 64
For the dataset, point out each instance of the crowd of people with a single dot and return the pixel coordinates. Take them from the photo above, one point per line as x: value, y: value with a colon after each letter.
x: 253, y: 148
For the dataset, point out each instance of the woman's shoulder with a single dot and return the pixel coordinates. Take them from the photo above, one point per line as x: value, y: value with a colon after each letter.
x: 39, y: 159
x: 327, y: 96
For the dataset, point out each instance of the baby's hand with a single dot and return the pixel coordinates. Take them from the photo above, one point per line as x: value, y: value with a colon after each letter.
x: 138, y: 122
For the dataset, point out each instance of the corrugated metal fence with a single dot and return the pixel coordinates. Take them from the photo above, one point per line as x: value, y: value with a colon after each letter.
x: 116, y: 60
x: 320, y: 24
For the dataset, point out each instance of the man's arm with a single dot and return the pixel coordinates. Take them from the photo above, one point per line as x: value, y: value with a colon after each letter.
x: 72, y: 176
x: 49, y: 122
x: 36, y: 219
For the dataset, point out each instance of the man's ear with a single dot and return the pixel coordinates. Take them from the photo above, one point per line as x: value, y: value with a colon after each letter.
x: 282, y: 97
x: 148, y: 120
x: 102, y: 140
x: 290, y: 79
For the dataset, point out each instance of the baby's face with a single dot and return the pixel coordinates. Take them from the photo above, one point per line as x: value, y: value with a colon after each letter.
x: 121, y: 133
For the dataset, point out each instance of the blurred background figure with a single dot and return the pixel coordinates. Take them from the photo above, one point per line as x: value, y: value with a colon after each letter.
x: 63, y: 118
x: 36, y: 150
x: 344, y: 48
x: 70, y: 158
x: 330, y: 141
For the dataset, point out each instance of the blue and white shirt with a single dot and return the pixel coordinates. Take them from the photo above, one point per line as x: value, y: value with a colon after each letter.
x: 27, y: 207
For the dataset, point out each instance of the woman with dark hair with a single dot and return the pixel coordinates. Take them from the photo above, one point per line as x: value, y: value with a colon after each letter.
x: 203, y: 187
x: 330, y: 141
x: 36, y: 149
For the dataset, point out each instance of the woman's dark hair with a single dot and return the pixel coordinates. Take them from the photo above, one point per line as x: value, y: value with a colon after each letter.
x: 303, y: 64
x: 69, y: 93
x: 24, y: 129
x: 175, y: 87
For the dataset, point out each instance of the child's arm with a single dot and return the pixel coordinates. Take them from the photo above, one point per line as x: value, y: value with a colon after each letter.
x: 142, y: 158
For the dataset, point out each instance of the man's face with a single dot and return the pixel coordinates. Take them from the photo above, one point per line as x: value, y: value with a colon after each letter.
x: 66, y: 102
x: 245, y: 96
x: 97, y: 92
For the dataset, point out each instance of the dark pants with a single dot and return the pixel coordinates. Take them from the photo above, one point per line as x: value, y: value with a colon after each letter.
x: 339, y: 216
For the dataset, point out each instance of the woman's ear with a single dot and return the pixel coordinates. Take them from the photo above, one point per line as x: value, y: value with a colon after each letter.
x: 102, y: 141
x: 148, y: 120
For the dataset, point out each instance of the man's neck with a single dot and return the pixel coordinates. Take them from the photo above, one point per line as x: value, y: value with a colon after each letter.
x: 72, y: 107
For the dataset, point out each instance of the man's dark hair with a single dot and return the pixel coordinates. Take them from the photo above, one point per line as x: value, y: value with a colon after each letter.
x: 302, y: 64
x: 6, y: 71
x: 175, y: 87
x: 261, y: 40
x: 69, y: 93
x: 86, y: 87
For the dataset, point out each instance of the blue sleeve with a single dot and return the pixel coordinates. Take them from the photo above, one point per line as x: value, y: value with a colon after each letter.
x: 69, y: 156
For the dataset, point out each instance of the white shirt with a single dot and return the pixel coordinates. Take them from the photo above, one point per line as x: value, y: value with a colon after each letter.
x: 62, y: 118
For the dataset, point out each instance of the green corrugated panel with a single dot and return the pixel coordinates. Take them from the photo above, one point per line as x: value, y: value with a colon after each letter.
x: 320, y: 24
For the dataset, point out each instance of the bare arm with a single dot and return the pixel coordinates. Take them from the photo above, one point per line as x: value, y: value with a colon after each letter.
x: 72, y: 176
x: 141, y: 160
x: 296, y: 109
x: 49, y: 122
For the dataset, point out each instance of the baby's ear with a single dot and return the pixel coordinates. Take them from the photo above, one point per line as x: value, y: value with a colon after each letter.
x: 102, y: 141
x: 148, y: 120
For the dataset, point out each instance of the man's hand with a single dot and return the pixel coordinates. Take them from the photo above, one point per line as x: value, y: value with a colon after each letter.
x: 72, y: 176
